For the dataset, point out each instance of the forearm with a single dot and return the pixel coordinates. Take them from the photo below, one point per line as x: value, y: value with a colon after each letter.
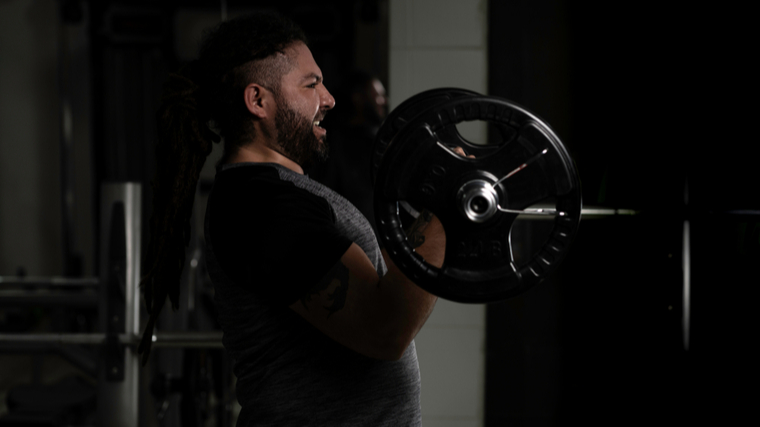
x: 377, y: 317
x: 411, y: 304
x: 407, y: 306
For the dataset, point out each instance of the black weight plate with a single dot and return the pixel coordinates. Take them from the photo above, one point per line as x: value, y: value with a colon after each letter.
x: 418, y: 168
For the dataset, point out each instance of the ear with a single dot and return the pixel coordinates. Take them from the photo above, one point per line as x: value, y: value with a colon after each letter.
x: 258, y: 100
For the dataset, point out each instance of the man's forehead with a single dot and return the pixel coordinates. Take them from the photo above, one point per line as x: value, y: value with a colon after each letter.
x: 305, y: 67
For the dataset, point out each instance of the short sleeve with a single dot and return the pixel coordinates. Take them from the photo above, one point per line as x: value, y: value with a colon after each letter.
x: 273, y: 238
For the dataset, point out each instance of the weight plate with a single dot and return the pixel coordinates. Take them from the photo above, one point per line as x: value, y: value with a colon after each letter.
x: 477, y: 199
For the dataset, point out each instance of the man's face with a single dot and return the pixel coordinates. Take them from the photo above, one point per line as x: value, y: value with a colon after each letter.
x: 302, y: 103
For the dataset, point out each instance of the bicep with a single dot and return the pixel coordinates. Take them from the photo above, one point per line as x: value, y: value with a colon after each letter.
x: 377, y: 318
x: 344, y: 305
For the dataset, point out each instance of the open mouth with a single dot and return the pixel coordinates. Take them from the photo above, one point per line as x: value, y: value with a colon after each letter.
x: 319, y: 131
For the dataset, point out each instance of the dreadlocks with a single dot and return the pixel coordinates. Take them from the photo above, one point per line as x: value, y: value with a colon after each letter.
x: 209, y: 89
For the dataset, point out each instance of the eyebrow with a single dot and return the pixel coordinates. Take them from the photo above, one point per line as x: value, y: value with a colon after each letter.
x: 313, y: 76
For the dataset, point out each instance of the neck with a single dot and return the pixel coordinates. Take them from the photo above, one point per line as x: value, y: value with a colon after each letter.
x: 259, y: 152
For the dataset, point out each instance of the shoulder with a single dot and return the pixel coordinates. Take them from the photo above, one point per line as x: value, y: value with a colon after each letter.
x: 250, y: 177
x: 268, y: 191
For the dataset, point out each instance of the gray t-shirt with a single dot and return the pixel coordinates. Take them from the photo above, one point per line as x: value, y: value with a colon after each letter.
x: 271, y: 235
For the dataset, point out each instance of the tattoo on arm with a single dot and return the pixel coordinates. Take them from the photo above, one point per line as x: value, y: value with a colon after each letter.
x: 338, y: 276
x: 414, y: 234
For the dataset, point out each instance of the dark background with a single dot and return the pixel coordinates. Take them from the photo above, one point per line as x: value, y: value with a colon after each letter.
x: 654, y: 102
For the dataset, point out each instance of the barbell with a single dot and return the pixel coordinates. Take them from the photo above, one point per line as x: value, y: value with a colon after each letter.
x: 477, y: 199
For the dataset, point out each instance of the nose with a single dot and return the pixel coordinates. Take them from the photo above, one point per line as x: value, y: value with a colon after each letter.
x: 327, y: 102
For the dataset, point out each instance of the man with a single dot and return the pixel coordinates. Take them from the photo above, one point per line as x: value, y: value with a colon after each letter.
x: 319, y: 322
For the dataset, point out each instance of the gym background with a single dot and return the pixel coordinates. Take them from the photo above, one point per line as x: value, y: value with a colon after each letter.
x: 654, y: 102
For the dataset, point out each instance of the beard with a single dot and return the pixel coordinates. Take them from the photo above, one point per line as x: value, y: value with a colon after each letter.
x: 296, y: 138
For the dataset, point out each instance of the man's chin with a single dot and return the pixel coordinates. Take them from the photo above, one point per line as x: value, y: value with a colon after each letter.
x: 318, y: 155
x: 322, y: 152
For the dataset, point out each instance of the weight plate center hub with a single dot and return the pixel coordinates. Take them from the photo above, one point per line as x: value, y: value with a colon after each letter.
x: 477, y: 200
